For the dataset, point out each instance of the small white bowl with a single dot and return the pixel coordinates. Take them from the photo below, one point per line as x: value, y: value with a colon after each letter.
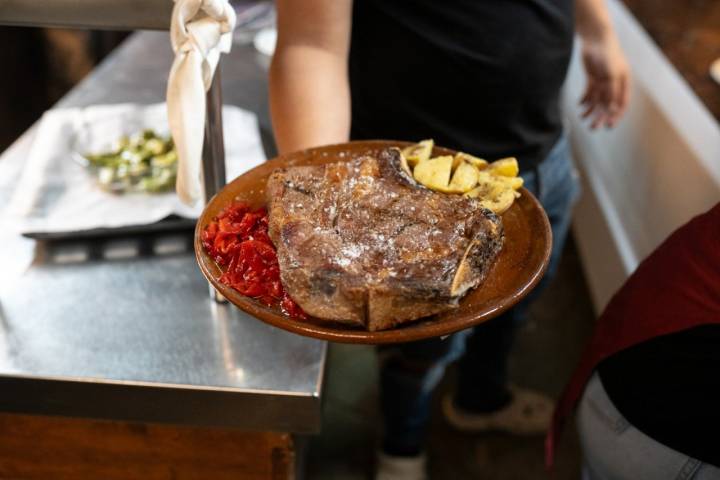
x: 265, y: 41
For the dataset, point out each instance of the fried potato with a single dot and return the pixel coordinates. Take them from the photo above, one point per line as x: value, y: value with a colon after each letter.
x: 419, y: 152
x: 477, y: 192
x: 464, y: 178
x: 493, y: 184
x: 434, y: 173
x: 466, y: 157
x: 495, y: 192
x: 500, y: 202
x: 505, y: 167
x: 485, y: 190
x: 512, y: 182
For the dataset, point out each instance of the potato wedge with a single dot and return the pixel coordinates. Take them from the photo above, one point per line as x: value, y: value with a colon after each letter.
x: 434, y: 173
x: 485, y: 176
x: 495, y: 192
x: 513, y: 182
x: 480, y: 191
x: 487, y: 187
x: 419, y: 152
x: 499, y: 203
x: 464, y: 178
x: 466, y: 157
x: 505, y: 167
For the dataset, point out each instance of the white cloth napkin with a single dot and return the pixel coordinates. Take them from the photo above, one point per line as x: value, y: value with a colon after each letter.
x: 54, y: 193
x: 200, y: 30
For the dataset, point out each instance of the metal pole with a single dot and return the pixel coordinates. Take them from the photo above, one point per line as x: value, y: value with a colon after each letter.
x: 213, y: 155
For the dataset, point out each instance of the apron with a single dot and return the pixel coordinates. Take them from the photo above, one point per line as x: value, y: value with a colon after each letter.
x: 676, y: 288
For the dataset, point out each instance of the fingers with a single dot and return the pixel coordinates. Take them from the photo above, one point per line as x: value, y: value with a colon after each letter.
x: 621, y: 99
x: 608, y: 96
x: 589, y: 101
x: 605, y: 101
x: 587, y: 95
x: 604, y: 96
x: 594, y: 103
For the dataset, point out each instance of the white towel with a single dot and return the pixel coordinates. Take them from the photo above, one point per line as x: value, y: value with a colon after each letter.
x: 200, y: 31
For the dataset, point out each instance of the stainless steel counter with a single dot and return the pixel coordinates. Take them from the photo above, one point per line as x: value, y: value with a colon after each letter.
x: 110, y: 14
x: 125, y: 329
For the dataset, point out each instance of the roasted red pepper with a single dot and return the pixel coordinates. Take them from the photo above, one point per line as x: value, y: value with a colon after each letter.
x: 238, y: 241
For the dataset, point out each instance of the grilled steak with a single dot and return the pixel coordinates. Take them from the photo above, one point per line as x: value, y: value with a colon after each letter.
x: 359, y: 242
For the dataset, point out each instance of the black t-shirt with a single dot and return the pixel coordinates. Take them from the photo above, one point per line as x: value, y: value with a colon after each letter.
x: 482, y: 76
x: 669, y: 388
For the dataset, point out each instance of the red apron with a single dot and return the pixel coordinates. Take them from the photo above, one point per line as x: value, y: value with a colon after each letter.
x: 677, y: 287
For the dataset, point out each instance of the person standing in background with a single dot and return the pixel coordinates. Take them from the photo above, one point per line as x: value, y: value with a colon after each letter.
x: 647, y: 387
x: 479, y: 76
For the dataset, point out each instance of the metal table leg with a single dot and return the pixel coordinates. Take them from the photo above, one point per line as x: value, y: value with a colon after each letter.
x: 213, y: 155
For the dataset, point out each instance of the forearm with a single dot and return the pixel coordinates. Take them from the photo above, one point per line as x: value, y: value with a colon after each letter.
x: 309, y: 97
x: 593, y: 20
x: 309, y: 92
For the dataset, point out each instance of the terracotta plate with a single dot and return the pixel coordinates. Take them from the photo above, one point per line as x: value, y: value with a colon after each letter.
x: 517, y: 270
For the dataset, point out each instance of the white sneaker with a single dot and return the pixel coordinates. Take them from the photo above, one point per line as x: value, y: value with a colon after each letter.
x: 390, y: 467
x: 528, y: 413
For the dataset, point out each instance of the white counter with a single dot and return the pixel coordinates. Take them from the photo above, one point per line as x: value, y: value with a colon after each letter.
x: 651, y: 174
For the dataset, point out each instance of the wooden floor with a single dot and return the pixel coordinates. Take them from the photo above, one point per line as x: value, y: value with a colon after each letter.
x: 50, y: 448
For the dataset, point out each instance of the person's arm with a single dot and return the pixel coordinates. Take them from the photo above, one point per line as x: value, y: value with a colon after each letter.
x: 608, y: 75
x: 309, y: 91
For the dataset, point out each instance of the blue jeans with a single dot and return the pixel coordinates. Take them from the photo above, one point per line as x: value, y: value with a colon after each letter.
x: 411, y: 371
x: 614, y: 449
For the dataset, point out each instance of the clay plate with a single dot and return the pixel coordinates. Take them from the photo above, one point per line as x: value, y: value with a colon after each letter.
x: 518, y: 269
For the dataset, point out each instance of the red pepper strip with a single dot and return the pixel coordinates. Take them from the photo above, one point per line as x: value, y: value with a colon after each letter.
x: 238, y: 240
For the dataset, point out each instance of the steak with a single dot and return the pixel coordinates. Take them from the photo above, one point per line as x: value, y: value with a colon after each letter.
x: 359, y: 242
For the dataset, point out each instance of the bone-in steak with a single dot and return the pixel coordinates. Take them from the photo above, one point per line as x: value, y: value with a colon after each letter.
x: 360, y: 243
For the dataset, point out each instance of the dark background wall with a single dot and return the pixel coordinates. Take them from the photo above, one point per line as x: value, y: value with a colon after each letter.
x: 40, y: 66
